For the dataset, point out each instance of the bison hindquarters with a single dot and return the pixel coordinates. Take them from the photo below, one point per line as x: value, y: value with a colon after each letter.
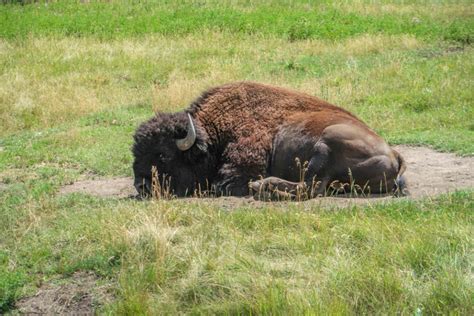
x: 347, y: 157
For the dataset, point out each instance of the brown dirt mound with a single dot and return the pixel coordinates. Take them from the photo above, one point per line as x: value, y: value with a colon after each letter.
x: 428, y: 173
x: 77, y: 295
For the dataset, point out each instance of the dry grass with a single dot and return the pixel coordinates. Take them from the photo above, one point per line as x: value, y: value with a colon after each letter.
x: 399, y: 84
x: 47, y: 81
x: 194, y: 257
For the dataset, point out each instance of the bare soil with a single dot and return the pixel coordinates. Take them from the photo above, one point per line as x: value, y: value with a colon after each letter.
x: 428, y: 173
x: 112, y: 187
x: 79, y: 294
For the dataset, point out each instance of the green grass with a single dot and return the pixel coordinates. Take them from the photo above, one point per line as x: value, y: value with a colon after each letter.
x: 76, y: 80
x: 295, y: 22
x: 196, y: 257
x: 408, y: 90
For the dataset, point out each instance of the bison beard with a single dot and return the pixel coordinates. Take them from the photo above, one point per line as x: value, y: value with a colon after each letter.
x: 244, y: 137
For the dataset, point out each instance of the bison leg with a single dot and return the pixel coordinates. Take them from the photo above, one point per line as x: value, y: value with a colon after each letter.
x: 245, y: 159
x: 273, y: 188
x: 360, y: 158
x: 232, y: 182
x: 232, y: 186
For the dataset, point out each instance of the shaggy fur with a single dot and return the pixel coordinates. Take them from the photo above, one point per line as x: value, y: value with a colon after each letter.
x: 237, y: 126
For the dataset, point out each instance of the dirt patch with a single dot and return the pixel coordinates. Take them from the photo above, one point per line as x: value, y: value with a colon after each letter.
x: 115, y: 187
x: 428, y: 173
x: 79, y: 294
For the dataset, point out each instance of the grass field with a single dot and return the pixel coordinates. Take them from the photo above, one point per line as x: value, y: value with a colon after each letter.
x: 77, y: 78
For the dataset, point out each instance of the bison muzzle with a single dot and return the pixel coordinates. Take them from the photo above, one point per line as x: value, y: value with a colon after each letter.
x: 247, y: 137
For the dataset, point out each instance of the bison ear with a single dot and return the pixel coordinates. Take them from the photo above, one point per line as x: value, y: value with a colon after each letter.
x: 200, y: 146
x: 199, y: 149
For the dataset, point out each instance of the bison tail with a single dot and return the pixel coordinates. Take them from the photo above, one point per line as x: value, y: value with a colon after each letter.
x: 400, y: 188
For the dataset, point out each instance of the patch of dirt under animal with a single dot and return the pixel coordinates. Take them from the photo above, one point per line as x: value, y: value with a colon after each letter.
x: 79, y: 294
x: 428, y: 173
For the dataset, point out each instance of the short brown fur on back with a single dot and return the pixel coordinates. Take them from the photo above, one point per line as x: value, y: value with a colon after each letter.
x: 258, y: 106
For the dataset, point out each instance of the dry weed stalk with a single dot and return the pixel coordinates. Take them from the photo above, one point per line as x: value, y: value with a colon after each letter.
x: 305, y: 190
x: 160, y: 191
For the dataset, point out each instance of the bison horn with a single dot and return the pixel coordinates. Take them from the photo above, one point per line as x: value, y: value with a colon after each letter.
x: 186, y: 143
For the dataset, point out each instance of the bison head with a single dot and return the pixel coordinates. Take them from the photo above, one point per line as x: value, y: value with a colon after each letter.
x: 177, y: 148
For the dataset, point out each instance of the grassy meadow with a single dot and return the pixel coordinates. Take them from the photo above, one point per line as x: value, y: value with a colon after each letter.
x: 77, y: 78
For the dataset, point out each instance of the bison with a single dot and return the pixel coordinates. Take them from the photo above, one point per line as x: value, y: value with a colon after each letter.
x: 244, y: 137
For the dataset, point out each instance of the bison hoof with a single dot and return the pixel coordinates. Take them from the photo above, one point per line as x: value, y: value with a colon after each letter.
x: 256, y: 185
x: 265, y: 190
x: 401, y: 193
